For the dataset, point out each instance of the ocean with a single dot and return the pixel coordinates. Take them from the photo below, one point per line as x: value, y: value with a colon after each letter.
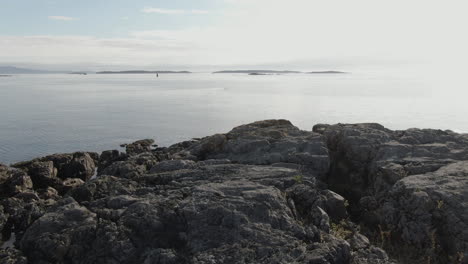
x: 46, y: 113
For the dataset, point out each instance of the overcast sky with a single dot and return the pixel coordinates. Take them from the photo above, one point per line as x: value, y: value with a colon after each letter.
x: 293, y: 34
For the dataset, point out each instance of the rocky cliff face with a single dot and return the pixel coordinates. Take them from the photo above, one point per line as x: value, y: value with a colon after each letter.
x: 409, y: 186
x: 265, y: 192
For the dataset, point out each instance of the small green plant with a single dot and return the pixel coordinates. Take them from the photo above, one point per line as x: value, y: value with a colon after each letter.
x: 298, y: 178
x: 346, y: 203
x: 340, y: 230
x: 440, y: 203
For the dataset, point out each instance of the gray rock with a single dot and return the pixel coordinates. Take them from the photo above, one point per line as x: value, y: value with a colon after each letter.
x: 373, y: 167
x: 43, y: 174
x: 258, y: 194
x: 368, y: 159
x: 82, y: 166
x: 13, y: 181
x: 371, y: 255
x: 75, y: 165
x: 61, y: 235
x: 430, y: 211
x: 172, y: 165
x: 124, y: 169
x: 320, y: 219
x: 139, y: 147
x: 133, y: 166
x: 309, y: 199
x: 70, y: 184
x: 21, y: 211
x: 108, y: 157
x: 359, y: 241
x: 224, y: 213
x: 263, y: 143
x: 335, y: 205
x: 214, y: 162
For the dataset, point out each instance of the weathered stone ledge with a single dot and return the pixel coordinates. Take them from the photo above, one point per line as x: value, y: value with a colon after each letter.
x: 265, y: 192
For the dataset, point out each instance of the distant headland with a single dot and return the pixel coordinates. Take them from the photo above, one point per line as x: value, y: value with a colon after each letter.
x: 141, y: 72
x: 8, y: 70
x: 79, y: 73
x: 273, y: 72
x: 258, y: 72
x: 326, y: 72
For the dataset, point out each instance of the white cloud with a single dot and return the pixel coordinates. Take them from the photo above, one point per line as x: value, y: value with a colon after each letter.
x: 173, y: 11
x: 198, y: 11
x: 63, y: 18
x: 92, y: 50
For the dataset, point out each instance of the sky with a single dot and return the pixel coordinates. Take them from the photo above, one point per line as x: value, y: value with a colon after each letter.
x: 213, y: 34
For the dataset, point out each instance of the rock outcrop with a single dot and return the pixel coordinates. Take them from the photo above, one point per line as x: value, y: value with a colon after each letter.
x: 430, y: 212
x: 397, y: 183
x: 140, y: 146
x: 80, y: 165
x: 264, y: 143
x: 265, y: 192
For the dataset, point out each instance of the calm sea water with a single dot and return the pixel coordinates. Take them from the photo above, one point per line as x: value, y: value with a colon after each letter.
x: 45, y: 114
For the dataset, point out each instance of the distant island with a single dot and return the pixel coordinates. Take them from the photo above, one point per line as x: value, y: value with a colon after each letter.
x: 141, y: 72
x: 5, y: 71
x: 326, y: 72
x: 79, y: 73
x: 258, y: 72
x: 273, y: 72
x: 15, y: 70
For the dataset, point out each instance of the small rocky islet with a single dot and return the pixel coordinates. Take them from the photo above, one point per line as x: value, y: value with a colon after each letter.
x: 265, y: 192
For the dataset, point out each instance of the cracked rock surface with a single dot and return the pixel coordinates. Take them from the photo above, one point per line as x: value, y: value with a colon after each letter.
x: 265, y: 192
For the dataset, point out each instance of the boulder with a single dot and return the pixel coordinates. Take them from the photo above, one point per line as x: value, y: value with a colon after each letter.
x: 13, y: 181
x: 21, y: 211
x: 368, y: 159
x: 43, y: 174
x: 132, y: 166
x: 264, y: 143
x: 108, y: 157
x: 309, y: 200
x: 430, y: 212
x: 75, y: 165
x: 64, y: 235
x: 397, y: 183
x: 81, y: 166
x: 70, y: 184
x: 140, y: 146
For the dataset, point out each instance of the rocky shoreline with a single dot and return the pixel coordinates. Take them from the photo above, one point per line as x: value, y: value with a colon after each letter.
x: 265, y: 192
